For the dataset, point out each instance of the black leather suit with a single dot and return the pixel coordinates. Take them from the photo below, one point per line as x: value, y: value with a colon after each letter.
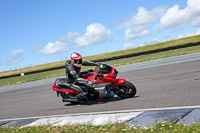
x: 74, y: 76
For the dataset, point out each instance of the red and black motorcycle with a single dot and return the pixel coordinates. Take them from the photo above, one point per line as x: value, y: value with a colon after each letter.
x: 106, y: 85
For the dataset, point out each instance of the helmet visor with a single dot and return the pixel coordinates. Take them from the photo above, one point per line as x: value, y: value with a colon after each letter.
x: 79, y: 62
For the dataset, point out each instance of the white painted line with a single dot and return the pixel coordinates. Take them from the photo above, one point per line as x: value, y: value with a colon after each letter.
x: 107, y: 112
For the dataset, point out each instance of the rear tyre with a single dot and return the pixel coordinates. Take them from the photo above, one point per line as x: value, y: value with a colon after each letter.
x: 126, y: 90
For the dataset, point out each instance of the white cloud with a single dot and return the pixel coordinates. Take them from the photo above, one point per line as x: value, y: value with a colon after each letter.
x: 95, y: 33
x: 127, y: 46
x: 72, y: 35
x: 143, y: 17
x: 176, y: 17
x: 137, y: 25
x: 136, y: 32
x: 16, y: 52
x: 153, y: 41
x: 53, y: 48
x: 15, y: 56
x: 189, y: 34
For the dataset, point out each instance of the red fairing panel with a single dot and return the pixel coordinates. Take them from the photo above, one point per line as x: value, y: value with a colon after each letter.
x: 119, y: 82
x: 107, y: 78
x: 86, y: 76
x: 54, y: 87
x: 64, y: 90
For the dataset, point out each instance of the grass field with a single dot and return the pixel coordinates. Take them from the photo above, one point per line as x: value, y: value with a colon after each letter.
x: 131, y: 60
x: 166, y: 44
x: 116, y: 128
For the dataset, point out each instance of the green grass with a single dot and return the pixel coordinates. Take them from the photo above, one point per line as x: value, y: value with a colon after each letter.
x: 154, y: 56
x: 131, y: 60
x: 32, y: 77
x: 161, y: 45
x: 115, y: 128
x: 166, y: 44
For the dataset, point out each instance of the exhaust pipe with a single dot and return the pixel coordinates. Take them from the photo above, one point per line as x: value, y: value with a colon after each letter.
x: 70, y: 100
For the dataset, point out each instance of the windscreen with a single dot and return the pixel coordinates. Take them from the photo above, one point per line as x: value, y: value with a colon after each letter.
x: 103, y: 68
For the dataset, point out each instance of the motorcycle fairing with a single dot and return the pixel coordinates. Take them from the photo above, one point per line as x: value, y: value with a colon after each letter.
x: 104, y: 77
x: 119, y: 82
x: 60, y: 85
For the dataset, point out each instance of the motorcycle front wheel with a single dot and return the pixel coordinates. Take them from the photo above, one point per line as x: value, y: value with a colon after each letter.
x: 126, y: 90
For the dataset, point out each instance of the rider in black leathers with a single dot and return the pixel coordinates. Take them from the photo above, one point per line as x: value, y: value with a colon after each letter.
x: 74, y: 75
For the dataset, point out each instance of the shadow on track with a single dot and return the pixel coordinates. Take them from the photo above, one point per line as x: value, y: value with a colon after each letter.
x: 114, y: 99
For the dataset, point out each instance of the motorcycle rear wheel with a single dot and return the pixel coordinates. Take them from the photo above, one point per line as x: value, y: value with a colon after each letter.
x: 126, y: 90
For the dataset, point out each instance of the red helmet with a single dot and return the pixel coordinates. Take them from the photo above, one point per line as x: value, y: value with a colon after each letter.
x: 76, y: 58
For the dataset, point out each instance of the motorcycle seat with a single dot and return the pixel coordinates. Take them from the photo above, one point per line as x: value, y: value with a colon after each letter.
x: 62, y: 83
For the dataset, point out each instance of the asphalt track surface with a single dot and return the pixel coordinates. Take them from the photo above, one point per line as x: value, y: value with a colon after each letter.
x: 168, y: 85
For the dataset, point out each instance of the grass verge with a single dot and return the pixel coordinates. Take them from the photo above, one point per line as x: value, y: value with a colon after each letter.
x: 131, y: 60
x: 161, y: 45
x: 114, y: 128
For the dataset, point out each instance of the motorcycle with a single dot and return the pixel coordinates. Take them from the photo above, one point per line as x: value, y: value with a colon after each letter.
x: 106, y: 85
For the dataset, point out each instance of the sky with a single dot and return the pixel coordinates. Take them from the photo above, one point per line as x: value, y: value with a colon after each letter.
x: 34, y: 32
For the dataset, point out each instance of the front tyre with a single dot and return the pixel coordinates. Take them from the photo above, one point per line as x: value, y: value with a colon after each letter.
x: 126, y: 90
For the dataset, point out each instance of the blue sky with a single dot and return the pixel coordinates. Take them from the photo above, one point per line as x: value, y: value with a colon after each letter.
x: 34, y: 32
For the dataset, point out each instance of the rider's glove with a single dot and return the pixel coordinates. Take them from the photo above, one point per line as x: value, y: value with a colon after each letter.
x: 91, y: 82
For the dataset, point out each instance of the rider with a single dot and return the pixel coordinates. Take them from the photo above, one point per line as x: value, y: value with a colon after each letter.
x: 74, y: 75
